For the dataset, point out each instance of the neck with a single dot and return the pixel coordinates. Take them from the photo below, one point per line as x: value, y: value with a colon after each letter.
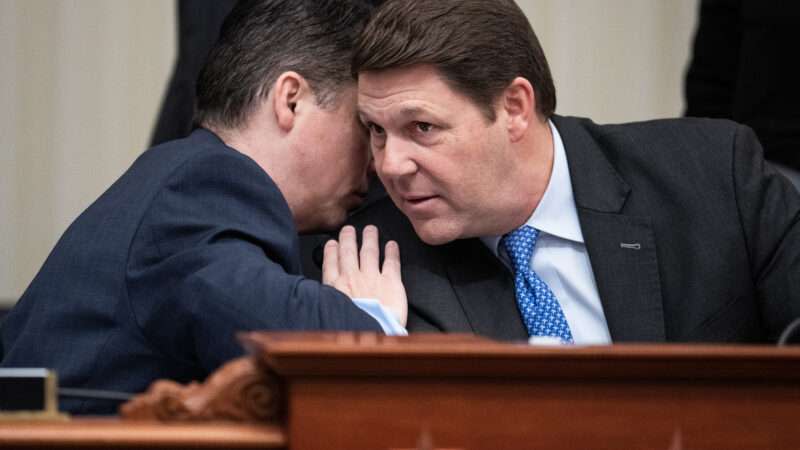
x: 267, y: 148
x: 533, y: 172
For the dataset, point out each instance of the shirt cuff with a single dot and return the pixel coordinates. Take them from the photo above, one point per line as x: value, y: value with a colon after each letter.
x: 386, y: 319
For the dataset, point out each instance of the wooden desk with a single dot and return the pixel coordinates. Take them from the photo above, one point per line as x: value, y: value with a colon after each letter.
x: 374, y: 392
x: 119, y: 434
x: 363, y: 391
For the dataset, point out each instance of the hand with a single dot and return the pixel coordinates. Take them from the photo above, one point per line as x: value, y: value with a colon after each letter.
x: 357, y: 273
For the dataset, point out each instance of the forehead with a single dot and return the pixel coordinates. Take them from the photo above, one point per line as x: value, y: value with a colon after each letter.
x: 405, y: 91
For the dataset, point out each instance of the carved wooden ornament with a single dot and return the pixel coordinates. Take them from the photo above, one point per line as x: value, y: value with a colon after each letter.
x: 239, y: 391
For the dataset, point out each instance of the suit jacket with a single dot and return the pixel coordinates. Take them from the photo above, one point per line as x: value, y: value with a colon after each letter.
x: 192, y: 244
x: 719, y: 235
x: 742, y: 69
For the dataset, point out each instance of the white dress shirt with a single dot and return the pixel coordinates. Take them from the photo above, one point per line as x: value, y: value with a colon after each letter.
x: 560, y: 258
x: 388, y: 322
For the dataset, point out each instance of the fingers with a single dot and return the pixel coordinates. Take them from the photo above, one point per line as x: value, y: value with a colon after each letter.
x: 348, y: 252
x: 330, y: 262
x: 368, y: 256
x: 391, y: 260
x: 394, y: 294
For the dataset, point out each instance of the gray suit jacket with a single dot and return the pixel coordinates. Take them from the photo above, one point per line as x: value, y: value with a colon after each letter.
x: 719, y: 235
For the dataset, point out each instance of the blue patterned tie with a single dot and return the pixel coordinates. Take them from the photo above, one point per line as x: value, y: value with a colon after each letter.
x: 538, y: 305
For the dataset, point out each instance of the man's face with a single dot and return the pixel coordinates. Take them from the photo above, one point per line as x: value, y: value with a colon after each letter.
x: 439, y: 157
x: 333, y: 163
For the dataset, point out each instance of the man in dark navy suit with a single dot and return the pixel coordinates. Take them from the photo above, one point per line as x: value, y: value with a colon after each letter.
x: 198, y: 239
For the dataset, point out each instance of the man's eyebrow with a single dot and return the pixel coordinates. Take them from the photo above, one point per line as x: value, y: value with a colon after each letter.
x: 412, y: 111
x: 406, y: 111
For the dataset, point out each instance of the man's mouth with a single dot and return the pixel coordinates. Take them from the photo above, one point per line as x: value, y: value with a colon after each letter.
x: 420, y: 205
x: 418, y: 199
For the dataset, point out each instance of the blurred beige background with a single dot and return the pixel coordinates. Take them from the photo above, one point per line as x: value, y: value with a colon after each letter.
x: 81, y: 82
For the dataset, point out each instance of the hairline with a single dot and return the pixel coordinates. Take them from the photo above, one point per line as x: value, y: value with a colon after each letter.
x: 487, y: 111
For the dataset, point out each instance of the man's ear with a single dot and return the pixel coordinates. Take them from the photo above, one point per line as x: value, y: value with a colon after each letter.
x: 519, y: 103
x: 288, y: 89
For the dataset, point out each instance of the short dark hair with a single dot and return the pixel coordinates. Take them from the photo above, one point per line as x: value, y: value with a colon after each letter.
x: 261, y: 39
x: 478, y: 46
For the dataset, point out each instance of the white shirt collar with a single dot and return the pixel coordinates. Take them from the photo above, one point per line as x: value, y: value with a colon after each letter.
x: 556, y: 214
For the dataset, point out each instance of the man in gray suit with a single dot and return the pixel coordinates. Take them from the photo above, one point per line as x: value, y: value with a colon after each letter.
x: 517, y: 222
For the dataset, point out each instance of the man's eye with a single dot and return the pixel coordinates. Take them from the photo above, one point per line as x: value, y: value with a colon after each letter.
x: 374, y: 129
x: 424, y: 127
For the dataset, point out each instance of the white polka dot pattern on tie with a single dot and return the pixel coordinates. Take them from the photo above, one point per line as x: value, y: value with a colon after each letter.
x: 540, y: 309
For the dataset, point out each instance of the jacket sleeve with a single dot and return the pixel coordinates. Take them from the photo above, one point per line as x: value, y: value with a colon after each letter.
x: 769, y: 211
x: 217, y: 253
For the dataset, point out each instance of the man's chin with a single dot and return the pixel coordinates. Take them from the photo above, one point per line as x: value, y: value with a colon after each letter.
x: 433, y: 233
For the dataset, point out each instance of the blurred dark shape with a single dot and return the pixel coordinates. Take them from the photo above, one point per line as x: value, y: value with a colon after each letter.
x: 743, y: 69
x: 199, y: 22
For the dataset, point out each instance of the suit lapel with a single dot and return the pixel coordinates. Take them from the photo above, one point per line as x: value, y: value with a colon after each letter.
x: 623, y: 256
x: 485, y: 290
x: 621, y: 247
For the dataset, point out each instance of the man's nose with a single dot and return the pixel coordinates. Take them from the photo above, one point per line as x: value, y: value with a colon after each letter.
x: 395, y: 159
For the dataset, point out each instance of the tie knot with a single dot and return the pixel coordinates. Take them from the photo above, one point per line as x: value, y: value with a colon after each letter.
x: 519, y: 245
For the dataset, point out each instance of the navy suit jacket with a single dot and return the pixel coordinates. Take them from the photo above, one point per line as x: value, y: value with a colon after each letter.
x: 718, y: 232
x: 192, y: 244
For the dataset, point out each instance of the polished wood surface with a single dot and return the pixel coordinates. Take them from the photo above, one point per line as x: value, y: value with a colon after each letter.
x: 114, y: 433
x: 366, y: 391
x: 360, y: 391
x: 457, y: 355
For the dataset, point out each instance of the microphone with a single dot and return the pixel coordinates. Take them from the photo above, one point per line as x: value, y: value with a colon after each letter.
x: 95, y: 394
x: 36, y: 390
x: 790, y: 334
